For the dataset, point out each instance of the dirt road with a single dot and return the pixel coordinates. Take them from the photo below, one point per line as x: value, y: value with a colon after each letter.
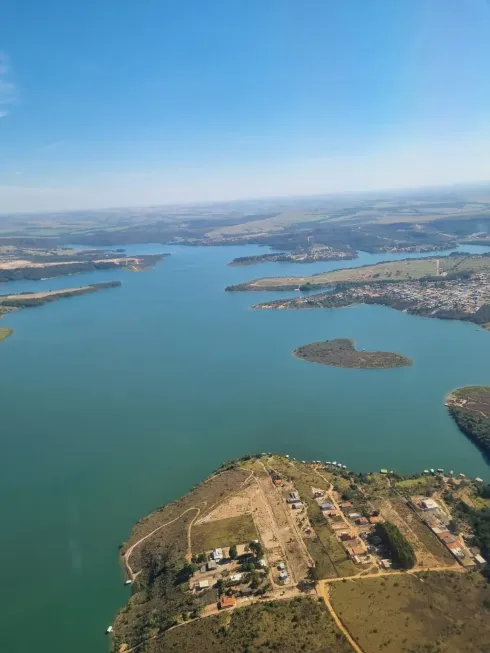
x: 324, y: 593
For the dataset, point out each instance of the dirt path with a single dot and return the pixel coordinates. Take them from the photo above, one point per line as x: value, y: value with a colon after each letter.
x: 132, y: 575
x: 323, y: 591
x: 396, y: 572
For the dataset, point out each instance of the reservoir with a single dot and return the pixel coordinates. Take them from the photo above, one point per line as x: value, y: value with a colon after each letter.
x: 116, y: 402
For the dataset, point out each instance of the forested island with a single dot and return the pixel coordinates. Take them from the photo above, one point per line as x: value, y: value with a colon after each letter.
x: 470, y: 409
x: 341, y: 352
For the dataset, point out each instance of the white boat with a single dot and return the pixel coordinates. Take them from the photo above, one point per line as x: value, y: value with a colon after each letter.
x: 109, y: 630
x: 128, y: 582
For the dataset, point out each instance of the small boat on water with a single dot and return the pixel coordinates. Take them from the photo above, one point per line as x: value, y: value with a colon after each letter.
x: 109, y: 630
x: 128, y: 582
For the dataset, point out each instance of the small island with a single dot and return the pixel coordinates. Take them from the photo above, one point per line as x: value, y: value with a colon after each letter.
x: 470, y: 409
x: 342, y: 353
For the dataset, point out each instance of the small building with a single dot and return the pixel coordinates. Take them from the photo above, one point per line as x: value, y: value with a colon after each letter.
x: 211, y: 564
x: 202, y: 585
x: 356, y: 550
x: 429, y: 504
x: 383, y: 471
x: 386, y: 563
x: 297, y: 505
x: 362, y: 521
x: 218, y: 555
x: 345, y: 505
x: 326, y: 506
x: 236, y: 578
x: 354, y: 515
x: 283, y: 576
x: 345, y: 537
x: 227, y: 602
x: 480, y: 560
x: 281, y: 565
x: 293, y: 497
x: 277, y: 482
x: 375, y: 519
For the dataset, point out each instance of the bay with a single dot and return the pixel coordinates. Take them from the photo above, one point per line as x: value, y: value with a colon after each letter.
x: 117, y: 402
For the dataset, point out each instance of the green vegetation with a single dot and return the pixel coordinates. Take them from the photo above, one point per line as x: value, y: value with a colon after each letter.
x: 223, y: 533
x: 5, y: 333
x: 296, y: 626
x: 429, y: 612
x: 453, y: 266
x: 470, y: 409
x: 19, y: 301
x: 342, y: 353
x: 400, y: 548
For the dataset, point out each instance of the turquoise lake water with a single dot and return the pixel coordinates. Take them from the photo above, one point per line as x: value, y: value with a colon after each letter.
x: 117, y: 402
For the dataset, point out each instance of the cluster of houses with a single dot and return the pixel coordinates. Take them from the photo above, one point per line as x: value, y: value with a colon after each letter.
x: 437, y: 520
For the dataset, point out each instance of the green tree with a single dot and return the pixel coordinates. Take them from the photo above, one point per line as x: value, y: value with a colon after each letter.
x: 400, y: 548
x: 233, y: 552
x: 257, y: 549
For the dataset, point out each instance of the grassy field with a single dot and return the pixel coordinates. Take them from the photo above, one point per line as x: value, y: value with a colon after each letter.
x: 430, y: 613
x: 302, y: 625
x: 391, y: 271
x: 5, y: 333
x: 223, y: 533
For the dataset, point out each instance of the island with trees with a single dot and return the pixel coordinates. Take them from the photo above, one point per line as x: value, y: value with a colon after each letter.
x: 470, y: 409
x: 342, y: 352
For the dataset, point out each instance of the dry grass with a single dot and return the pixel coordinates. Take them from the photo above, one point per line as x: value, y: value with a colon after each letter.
x: 297, y: 626
x: 432, y: 612
x: 223, y: 533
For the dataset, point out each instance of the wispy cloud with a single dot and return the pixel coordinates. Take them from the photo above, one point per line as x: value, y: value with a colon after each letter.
x: 8, y: 90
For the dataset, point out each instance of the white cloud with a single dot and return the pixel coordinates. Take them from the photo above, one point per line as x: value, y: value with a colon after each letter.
x: 8, y: 90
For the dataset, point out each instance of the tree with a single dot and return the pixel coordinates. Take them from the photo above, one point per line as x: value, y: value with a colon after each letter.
x: 233, y: 552
x: 257, y: 549
x: 400, y: 548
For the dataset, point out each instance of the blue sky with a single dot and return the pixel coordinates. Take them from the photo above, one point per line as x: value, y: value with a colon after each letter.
x: 110, y: 103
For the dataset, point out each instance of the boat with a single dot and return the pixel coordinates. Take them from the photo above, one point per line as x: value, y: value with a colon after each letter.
x: 128, y: 582
x: 109, y: 630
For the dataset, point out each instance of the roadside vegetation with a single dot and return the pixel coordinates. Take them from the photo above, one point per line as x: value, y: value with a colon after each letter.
x: 296, y: 626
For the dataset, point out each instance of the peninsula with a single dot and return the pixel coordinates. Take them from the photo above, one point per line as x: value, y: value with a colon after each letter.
x: 470, y: 409
x: 342, y: 353
x: 253, y: 559
x: 5, y: 333
x: 33, y: 264
x: 307, y: 255
x: 456, y: 288
x: 16, y: 302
